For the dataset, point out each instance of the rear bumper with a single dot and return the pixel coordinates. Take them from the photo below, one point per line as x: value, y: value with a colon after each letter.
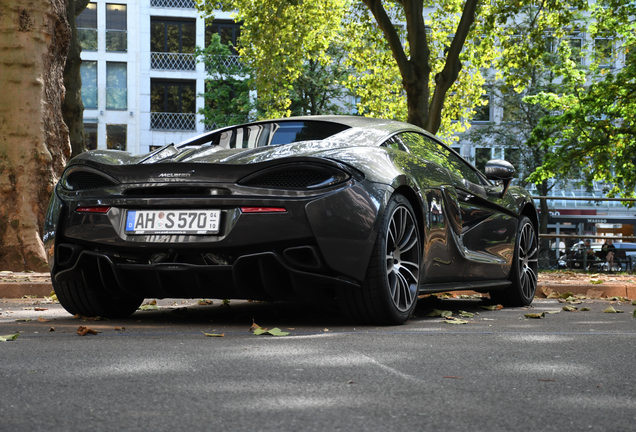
x: 260, y: 276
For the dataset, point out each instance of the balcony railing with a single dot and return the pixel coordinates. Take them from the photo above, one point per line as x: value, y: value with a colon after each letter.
x: 228, y: 61
x: 177, y: 4
x: 173, y: 61
x: 173, y: 121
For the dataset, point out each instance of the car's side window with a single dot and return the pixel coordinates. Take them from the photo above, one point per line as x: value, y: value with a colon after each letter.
x: 395, y: 142
x: 433, y: 151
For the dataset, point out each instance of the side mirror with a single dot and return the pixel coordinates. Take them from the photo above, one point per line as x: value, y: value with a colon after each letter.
x: 500, y: 170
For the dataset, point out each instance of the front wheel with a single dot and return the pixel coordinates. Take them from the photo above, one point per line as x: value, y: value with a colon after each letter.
x: 524, y: 272
x: 389, y: 292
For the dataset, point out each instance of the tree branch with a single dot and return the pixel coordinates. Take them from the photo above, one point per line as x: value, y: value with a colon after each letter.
x: 80, y: 5
x: 391, y: 35
x: 445, y: 79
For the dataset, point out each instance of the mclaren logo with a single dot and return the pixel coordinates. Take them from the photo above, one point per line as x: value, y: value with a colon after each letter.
x: 174, y: 175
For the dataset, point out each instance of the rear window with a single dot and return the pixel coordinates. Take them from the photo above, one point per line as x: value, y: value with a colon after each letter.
x: 275, y: 133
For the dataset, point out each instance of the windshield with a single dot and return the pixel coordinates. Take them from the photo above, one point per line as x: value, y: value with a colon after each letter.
x: 274, y: 133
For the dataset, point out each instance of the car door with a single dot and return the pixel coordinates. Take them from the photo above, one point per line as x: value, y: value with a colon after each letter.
x: 484, y: 232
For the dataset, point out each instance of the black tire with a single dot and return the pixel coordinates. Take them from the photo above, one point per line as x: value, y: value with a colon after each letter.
x: 524, y: 272
x: 76, y: 298
x: 389, y: 292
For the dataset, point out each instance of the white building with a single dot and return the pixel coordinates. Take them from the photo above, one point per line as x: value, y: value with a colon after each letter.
x: 140, y: 78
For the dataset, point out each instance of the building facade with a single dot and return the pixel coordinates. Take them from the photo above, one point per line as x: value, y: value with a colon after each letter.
x: 140, y: 78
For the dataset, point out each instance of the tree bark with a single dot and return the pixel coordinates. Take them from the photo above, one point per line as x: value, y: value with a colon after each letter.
x: 34, y: 145
x: 73, y: 107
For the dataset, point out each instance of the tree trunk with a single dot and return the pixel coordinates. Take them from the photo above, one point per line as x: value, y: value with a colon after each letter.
x: 34, y: 146
x: 73, y: 108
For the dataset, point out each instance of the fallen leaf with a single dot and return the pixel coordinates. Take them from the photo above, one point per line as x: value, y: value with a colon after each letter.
x: 40, y: 309
x: 23, y: 319
x: 254, y: 326
x: 148, y: 307
x: 492, y: 307
x: 452, y: 320
x: 42, y: 319
x: 226, y: 302
x: 436, y: 313
x: 553, y: 312
x: 83, y: 331
x: 610, y: 309
x: 326, y: 330
x: 535, y: 315
x: 214, y: 334
x: 570, y: 308
x: 553, y: 295
x: 585, y: 309
x: 77, y: 316
x: 120, y: 328
x: 546, y: 291
x: 151, y: 302
x: 11, y: 337
x: 52, y: 329
x: 272, y: 332
x: 351, y: 382
x: 596, y: 281
x: 634, y: 316
x: 566, y: 295
x: 634, y: 303
x: 204, y: 302
x: 465, y: 314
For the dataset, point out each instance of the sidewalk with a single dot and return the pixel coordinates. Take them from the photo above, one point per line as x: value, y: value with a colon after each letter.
x: 18, y: 285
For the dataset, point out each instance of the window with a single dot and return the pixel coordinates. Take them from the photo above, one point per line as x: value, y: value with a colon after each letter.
x: 88, y: 73
x: 90, y: 135
x: 482, y: 156
x: 511, y: 104
x: 228, y: 30
x: 172, y: 36
x: 86, y: 24
x: 395, y: 142
x: 116, y: 86
x: 513, y: 155
x: 576, y: 46
x: 116, y: 26
x: 604, y: 52
x: 430, y: 150
x: 173, y: 96
x: 116, y: 137
x: 482, y: 111
x: 173, y: 105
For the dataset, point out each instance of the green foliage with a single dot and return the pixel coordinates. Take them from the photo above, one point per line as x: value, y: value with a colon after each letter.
x: 595, y: 130
x: 227, y: 90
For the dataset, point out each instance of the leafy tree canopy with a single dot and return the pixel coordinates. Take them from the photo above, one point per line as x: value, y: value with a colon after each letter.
x: 414, y: 60
x: 596, y: 128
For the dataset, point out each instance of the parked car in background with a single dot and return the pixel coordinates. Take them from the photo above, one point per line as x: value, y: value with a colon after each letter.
x: 370, y: 212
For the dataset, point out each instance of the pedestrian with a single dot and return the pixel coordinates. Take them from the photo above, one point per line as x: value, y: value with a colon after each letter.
x: 608, y: 250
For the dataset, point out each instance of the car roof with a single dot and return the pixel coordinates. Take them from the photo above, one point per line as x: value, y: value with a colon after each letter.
x: 362, y: 130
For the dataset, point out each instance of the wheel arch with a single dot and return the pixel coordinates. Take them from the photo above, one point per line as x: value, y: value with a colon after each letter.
x: 416, y: 202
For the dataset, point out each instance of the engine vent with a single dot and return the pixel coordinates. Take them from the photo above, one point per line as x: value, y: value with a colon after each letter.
x: 83, y: 180
x: 296, y: 177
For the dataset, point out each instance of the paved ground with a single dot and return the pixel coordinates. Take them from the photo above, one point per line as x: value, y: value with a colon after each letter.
x: 568, y: 371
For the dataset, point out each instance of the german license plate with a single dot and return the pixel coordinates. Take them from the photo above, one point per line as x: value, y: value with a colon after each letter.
x: 173, y: 221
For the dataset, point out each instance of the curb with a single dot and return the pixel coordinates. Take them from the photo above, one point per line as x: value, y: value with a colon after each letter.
x: 595, y: 291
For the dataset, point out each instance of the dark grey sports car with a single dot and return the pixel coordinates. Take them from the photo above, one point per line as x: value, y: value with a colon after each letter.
x: 371, y: 212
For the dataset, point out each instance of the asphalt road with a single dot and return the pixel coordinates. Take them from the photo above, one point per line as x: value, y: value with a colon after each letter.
x: 569, y: 371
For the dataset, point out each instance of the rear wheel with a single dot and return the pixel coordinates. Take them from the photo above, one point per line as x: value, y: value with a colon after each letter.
x: 77, y: 298
x: 389, y: 292
x: 523, y: 274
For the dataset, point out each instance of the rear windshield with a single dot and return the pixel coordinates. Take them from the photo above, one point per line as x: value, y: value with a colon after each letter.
x: 275, y: 133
